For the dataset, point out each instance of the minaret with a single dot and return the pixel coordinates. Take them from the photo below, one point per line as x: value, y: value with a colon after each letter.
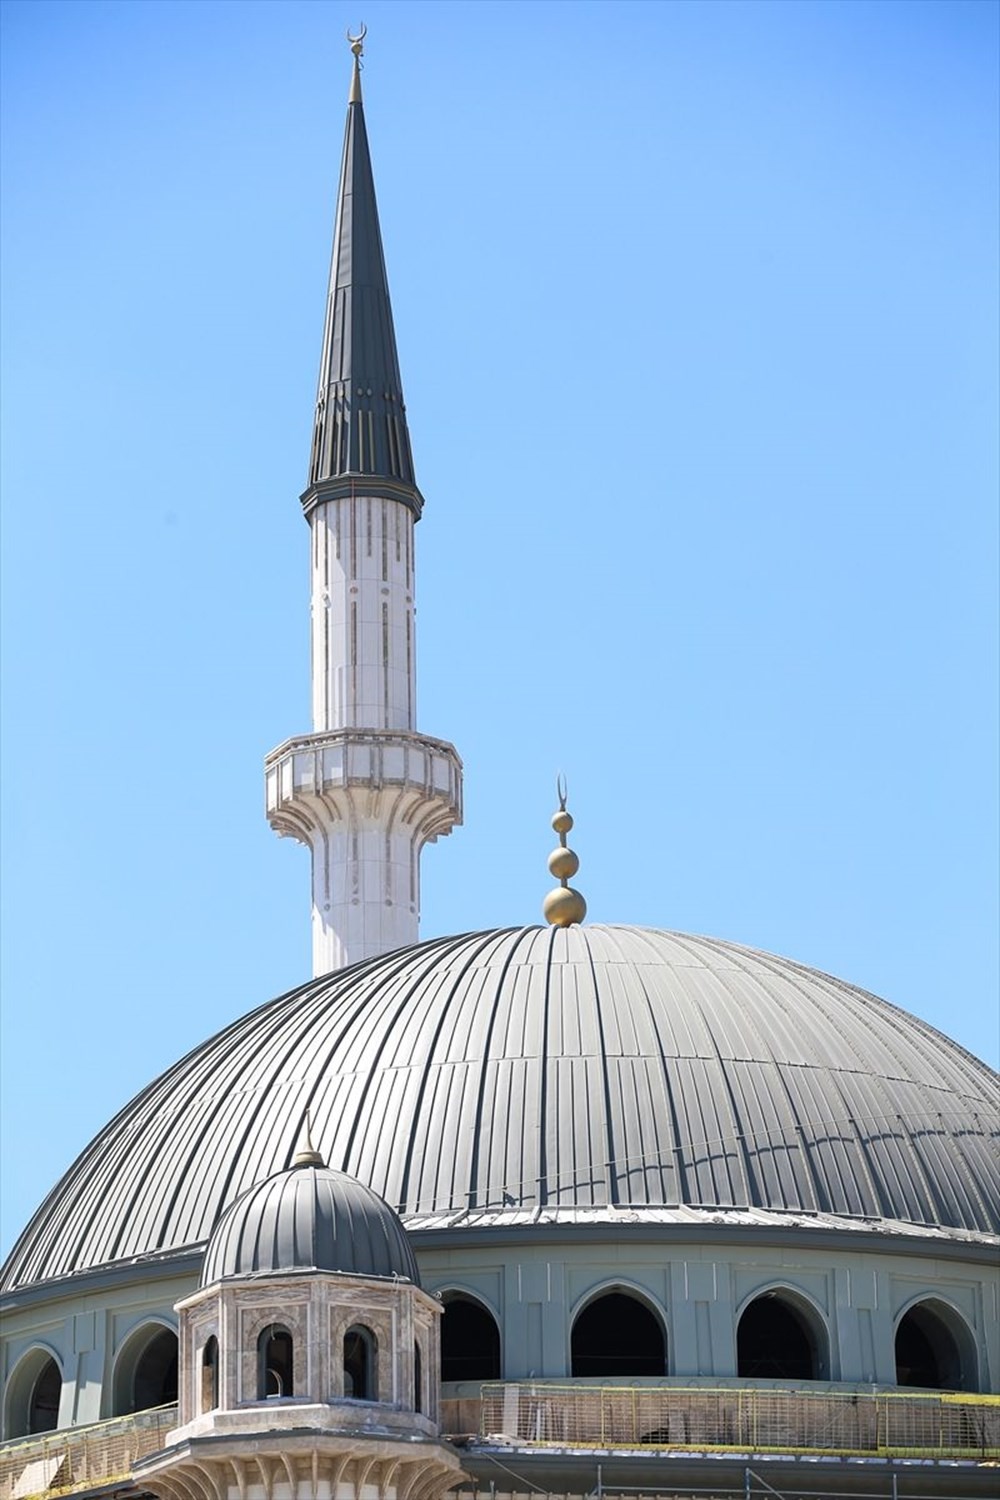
x: 365, y: 791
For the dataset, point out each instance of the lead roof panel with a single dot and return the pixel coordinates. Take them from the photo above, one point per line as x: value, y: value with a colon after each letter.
x: 540, y: 1068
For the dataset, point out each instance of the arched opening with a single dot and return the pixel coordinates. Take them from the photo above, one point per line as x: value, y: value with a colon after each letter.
x: 359, y: 1364
x: 155, y: 1379
x: 275, y: 1370
x: 617, y: 1335
x: 418, y: 1380
x: 146, y: 1370
x: 210, y: 1374
x: 934, y: 1350
x: 777, y: 1339
x: 34, y: 1391
x: 470, y: 1340
x: 43, y: 1404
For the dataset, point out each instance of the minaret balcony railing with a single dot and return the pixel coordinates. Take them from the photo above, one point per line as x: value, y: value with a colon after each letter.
x: 416, y: 778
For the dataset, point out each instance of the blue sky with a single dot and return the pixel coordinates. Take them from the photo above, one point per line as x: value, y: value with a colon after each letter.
x: 697, y: 315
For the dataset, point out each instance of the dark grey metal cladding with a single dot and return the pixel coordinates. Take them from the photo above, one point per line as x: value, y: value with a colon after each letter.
x: 309, y: 1218
x: 361, y: 440
x: 565, y: 1073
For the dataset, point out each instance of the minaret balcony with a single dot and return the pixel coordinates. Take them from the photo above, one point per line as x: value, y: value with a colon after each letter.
x: 374, y: 775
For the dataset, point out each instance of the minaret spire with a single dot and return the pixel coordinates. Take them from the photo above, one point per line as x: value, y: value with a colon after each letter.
x: 360, y: 424
x: 364, y: 790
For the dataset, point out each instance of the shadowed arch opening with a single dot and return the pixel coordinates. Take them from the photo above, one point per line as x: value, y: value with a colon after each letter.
x: 146, y: 1370
x: 418, y: 1379
x: 275, y: 1363
x: 616, y: 1334
x: 210, y: 1374
x: 935, y: 1349
x: 779, y: 1337
x: 359, y: 1364
x: 470, y: 1340
x: 34, y: 1392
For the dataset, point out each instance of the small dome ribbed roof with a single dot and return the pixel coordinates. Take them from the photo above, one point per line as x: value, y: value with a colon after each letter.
x: 549, y: 1074
x: 309, y: 1218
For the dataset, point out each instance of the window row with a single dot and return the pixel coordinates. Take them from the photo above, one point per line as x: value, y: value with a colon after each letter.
x: 617, y: 1335
x: 146, y: 1375
x: 779, y: 1336
x: 276, y: 1367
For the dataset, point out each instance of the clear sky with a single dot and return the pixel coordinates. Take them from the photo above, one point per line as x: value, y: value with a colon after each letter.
x: 697, y: 316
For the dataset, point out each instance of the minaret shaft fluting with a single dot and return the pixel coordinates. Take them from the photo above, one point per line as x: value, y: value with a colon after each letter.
x: 363, y: 628
x: 364, y: 790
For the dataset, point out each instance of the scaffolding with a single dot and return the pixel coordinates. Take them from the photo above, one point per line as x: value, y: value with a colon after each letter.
x: 76, y: 1458
x: 889, y: 1424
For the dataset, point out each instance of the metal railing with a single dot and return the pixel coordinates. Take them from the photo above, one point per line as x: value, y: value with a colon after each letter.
x: 888, y: 1424
x: 745, y: 1420
x: 75, y: 1458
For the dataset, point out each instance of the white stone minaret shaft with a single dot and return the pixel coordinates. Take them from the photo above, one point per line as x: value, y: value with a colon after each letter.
x: 365, y: 791
x: 362, y: 614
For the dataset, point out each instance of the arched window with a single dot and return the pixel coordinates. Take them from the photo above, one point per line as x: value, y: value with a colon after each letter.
x: 33, y: 1394
x: 618, y: 1335
x: 274, y: 1363
x: 934, y: 1349
x: 470, y: 1340
x: 418, y: 1380
x: 359, y: 1364
x: 146, y: 1370
x: 779, y: 1338
x: 210, y: 1374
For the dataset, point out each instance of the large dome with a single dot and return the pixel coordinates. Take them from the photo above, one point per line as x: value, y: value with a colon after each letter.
x: 539, y: 1074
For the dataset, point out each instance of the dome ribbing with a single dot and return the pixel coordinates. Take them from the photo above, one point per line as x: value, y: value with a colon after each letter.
x: 509, y: 1075
x: 313, y: 1219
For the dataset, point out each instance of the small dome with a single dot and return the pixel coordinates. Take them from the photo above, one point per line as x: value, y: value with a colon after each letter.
x: 309, y: 1218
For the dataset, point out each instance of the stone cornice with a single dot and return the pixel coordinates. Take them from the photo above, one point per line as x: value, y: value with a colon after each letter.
x: 363, y: 487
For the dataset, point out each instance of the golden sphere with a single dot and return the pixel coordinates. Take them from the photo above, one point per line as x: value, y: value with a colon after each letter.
x: 564, y: 906
x: 561, y: 821
x: 563, y: 863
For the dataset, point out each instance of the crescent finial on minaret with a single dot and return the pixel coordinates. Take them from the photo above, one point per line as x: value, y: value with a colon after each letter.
x: 357, y: 44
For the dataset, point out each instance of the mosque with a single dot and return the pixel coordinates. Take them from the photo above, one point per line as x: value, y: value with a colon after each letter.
x: 570, y: 1209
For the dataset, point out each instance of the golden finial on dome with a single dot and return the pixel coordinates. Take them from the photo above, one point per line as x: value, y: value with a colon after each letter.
x: 564, y: 906
x: 307, y: 1155
x: 357, y: 47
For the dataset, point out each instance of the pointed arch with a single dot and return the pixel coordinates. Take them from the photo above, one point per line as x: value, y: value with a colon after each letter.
x: 145, y: 1370
x: 33, y: 1393
x: 935, y: 1348
x: 782, y: 1335
x: 470, y: 1338
x: 275, y: 1362
x: 209, y: 1364
x: 360, y: 1363
x: 617, y: 1330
